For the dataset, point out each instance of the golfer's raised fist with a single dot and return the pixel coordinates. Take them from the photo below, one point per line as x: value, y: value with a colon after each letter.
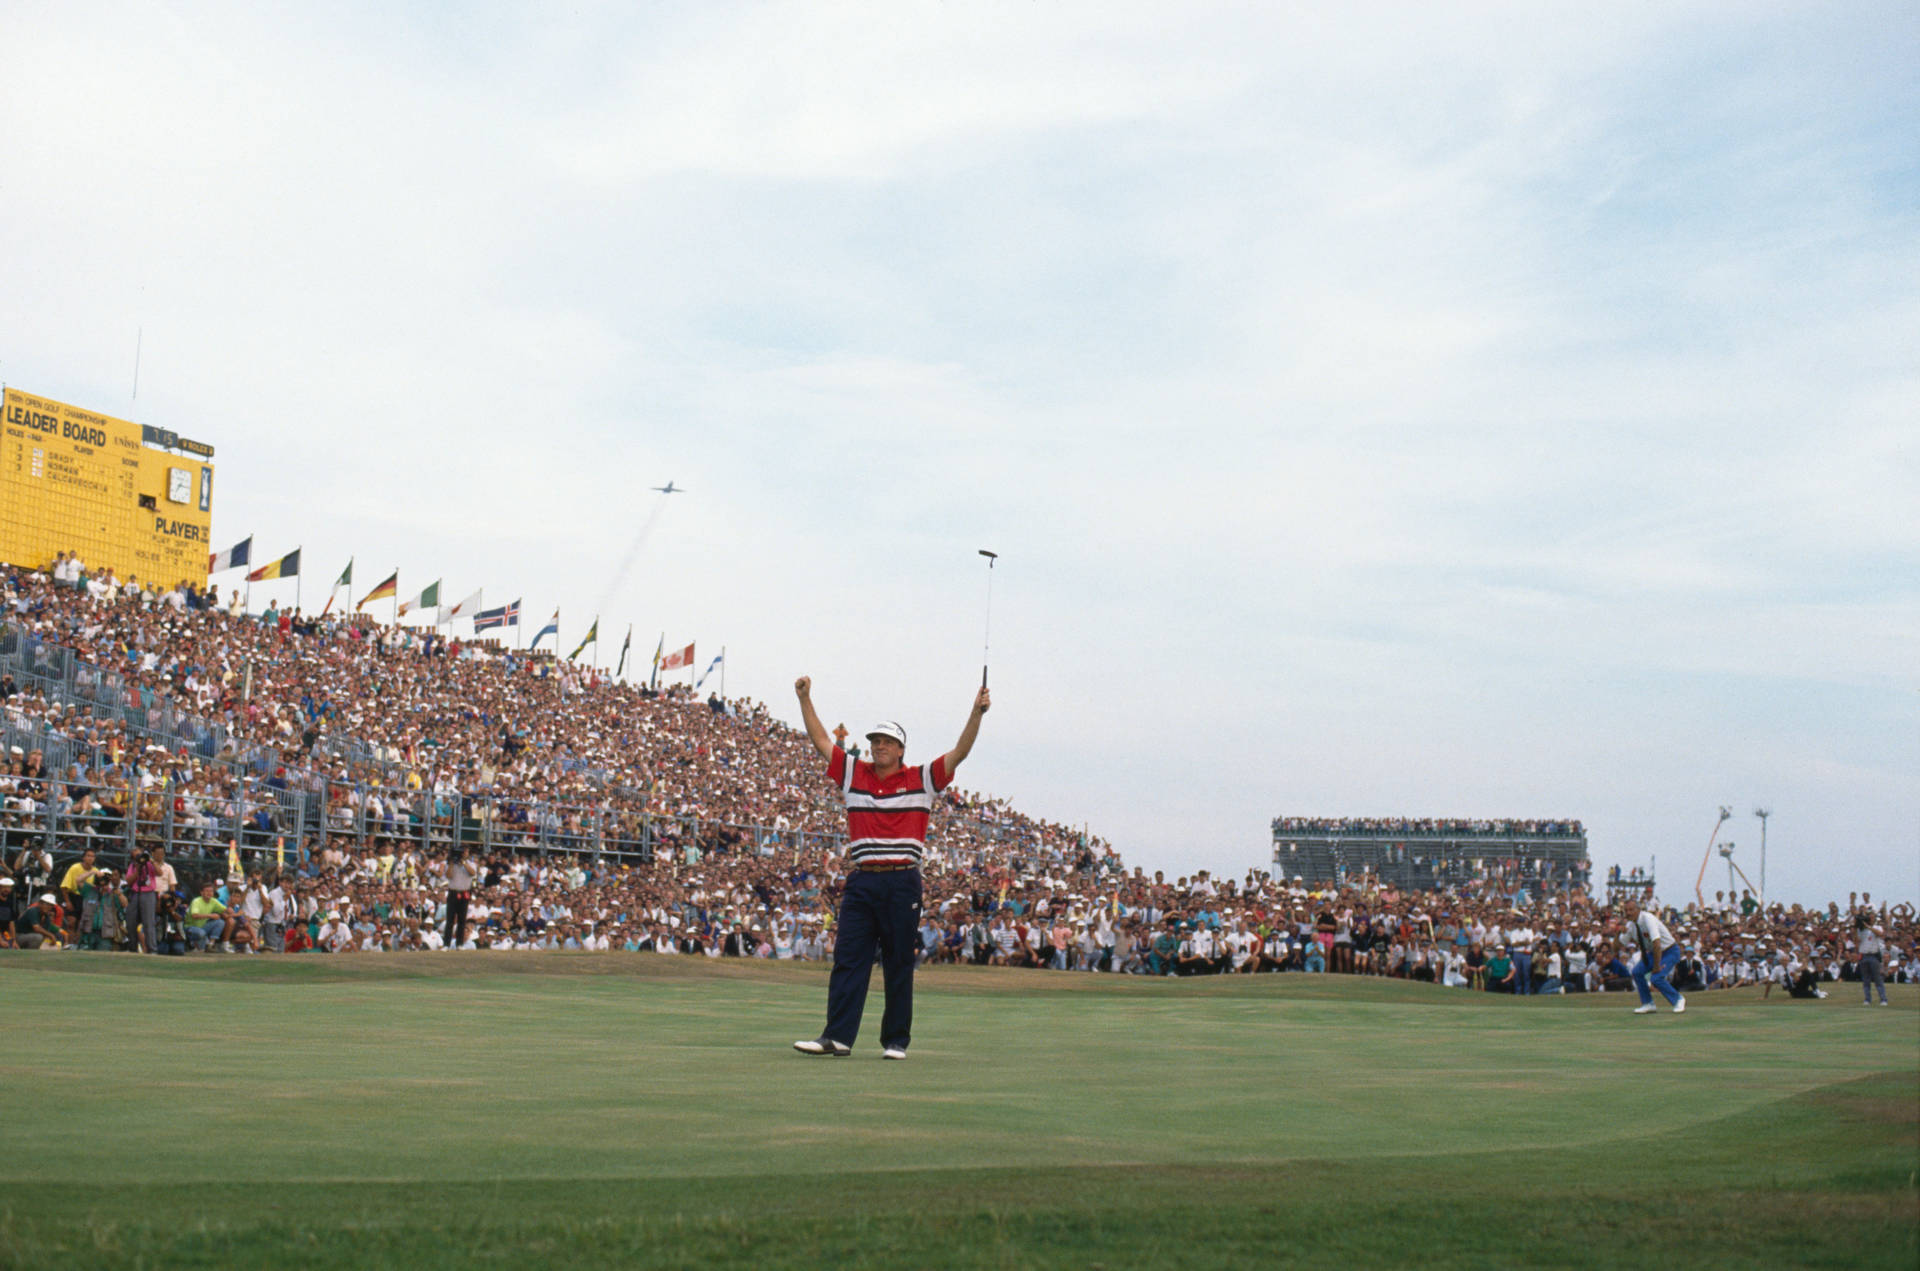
x: 983, y: 700
x: 803, y: 685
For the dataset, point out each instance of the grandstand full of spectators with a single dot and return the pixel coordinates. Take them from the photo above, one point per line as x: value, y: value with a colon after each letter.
x: 1456, y: 827
x: 1433, y: 852
x: 291, y: 783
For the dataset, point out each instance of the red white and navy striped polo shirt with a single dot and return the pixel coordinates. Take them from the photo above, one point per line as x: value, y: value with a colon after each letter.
x: 887, y: 817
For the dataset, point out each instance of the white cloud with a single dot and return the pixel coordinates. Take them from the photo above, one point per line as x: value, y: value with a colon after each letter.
x: 1454, y: 409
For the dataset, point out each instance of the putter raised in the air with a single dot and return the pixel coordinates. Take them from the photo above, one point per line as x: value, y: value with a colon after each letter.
x: 987, y: 642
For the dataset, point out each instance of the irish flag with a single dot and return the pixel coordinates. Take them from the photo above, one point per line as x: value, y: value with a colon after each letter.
x: 428, y: 599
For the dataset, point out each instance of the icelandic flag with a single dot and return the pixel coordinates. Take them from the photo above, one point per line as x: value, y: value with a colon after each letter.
x: 234, y: 557
x: 504, y: 616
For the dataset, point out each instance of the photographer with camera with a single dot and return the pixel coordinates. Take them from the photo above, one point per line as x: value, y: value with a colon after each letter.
x: 148, y: 878
x: 32, y: 868
x: 170, y: 931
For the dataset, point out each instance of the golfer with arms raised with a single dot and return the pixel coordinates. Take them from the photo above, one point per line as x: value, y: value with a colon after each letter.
x: 887, y: 809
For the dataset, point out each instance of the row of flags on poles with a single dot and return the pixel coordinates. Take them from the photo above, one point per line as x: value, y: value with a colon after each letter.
x: 240, y: 555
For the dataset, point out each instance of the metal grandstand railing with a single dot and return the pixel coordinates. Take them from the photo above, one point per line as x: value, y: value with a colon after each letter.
x: 264, y: 801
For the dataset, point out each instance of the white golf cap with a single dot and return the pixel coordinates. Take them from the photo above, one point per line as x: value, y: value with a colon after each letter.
x: 887, y: 728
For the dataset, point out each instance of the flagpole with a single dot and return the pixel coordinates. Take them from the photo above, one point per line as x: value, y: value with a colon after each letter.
x: 396, y: 595
x: 723, y: 672
x: 249, y: 600
x: 296, y: 582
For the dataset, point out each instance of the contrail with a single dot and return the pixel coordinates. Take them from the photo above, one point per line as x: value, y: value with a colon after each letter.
x: 633, y: 553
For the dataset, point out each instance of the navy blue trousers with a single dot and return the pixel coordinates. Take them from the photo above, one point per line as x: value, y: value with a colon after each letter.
x: 879, y: 916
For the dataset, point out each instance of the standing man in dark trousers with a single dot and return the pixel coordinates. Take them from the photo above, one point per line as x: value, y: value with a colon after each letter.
x: 459, y: 892
x: 1872, y: 948
x: 143, y: 902
x: 887, y: 809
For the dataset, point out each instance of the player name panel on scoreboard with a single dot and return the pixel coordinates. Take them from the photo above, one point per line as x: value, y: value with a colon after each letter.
x: 72, y: 480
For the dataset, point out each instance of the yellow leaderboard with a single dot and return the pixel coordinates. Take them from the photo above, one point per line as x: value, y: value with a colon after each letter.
x: 125, y: 497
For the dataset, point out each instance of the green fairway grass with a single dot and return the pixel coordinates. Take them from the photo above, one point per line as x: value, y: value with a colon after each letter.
x: 629, y: 1110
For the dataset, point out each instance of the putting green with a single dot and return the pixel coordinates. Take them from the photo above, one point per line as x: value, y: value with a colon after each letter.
x: 393, y: 1102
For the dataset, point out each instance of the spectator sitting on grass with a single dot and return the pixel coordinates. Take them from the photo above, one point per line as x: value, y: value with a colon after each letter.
x: 1165, y: 950
x: 206, y: 920
x: 38, y: 926
x: 334, y: 935
x: 1499, y: 971
x: 1547, y: 956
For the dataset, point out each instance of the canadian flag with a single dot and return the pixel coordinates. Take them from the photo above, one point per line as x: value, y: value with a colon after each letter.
x: 677, y: 659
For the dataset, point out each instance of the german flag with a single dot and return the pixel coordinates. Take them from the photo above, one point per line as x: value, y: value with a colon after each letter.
x: 385, y: 591
x: 286, y: 567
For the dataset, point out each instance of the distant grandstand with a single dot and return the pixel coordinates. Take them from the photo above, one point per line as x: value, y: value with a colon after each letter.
x: 1543, y: 855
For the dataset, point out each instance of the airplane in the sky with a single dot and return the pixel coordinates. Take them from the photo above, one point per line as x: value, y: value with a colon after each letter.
x: 671, y: 488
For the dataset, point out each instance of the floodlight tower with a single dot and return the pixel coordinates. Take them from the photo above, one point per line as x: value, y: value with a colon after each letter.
x: 1699, y: 897
x: 1763, y: 814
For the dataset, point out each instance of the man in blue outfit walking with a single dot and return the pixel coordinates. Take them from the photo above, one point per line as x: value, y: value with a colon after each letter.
x: 1659, y: 955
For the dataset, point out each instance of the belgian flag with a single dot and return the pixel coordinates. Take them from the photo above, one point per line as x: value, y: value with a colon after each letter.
x: 286, y: 567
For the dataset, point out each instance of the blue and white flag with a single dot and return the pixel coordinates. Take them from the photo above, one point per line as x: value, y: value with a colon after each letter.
x: 709, y: 671
x: 504, y: 616
x: 551, y: 629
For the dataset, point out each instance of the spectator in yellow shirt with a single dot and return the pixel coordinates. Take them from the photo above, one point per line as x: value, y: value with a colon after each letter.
x: 77, y: 876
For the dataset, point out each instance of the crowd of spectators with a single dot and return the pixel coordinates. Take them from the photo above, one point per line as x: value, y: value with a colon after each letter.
x: 1370, y: 826
x: 377, y: 728
x: 750, y: 904
x: 358, y: 714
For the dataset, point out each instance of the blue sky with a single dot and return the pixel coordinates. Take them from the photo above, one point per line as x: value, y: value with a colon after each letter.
x: 1504, y: 410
